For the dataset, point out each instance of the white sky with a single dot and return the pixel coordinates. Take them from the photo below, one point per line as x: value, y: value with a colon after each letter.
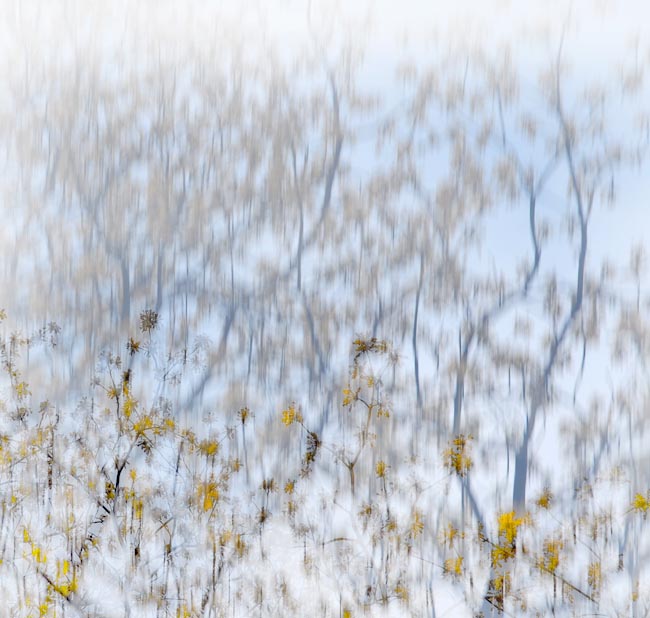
x: 599, y: 35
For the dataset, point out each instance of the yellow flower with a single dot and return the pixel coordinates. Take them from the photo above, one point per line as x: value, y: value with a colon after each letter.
x: 129, y: 406
x: 366, y: 511
x: 109, y: 488
x: 380, y: 468
x: 551, y: 559
x: 544, y: 501
x: 456, y: 458
x: 594, y: 576
x: 417, y: 526
x: 244, y: 414
x: 402, y: 592
x: 640, y: 504
x: 209, y: 448
x: 454, y: 566
x: 133, y: 346
x: 509, y: 525
x: 209, y: 494
x: 240, y: 545
x: 449, y: 534
x: 291, y: 415
x: 38, y: 555
x: 145, y: 423
x: 138, y: 508
x: 500, y: 586
x: 22, y: 390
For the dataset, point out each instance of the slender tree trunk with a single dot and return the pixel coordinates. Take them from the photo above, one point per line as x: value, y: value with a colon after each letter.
x: 126, y: 291
x: 416, y: 367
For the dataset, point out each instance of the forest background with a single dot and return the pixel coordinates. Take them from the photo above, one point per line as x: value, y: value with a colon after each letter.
x: 318, y: 309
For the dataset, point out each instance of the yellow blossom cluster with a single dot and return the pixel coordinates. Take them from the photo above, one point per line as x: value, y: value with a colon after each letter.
x: 454, y: 566
x: 641, y: 504
x: 208, y: 494
x: 456, y: 457
x: 508, y: 527
x: 550, y: 561
x: 291, y: 415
